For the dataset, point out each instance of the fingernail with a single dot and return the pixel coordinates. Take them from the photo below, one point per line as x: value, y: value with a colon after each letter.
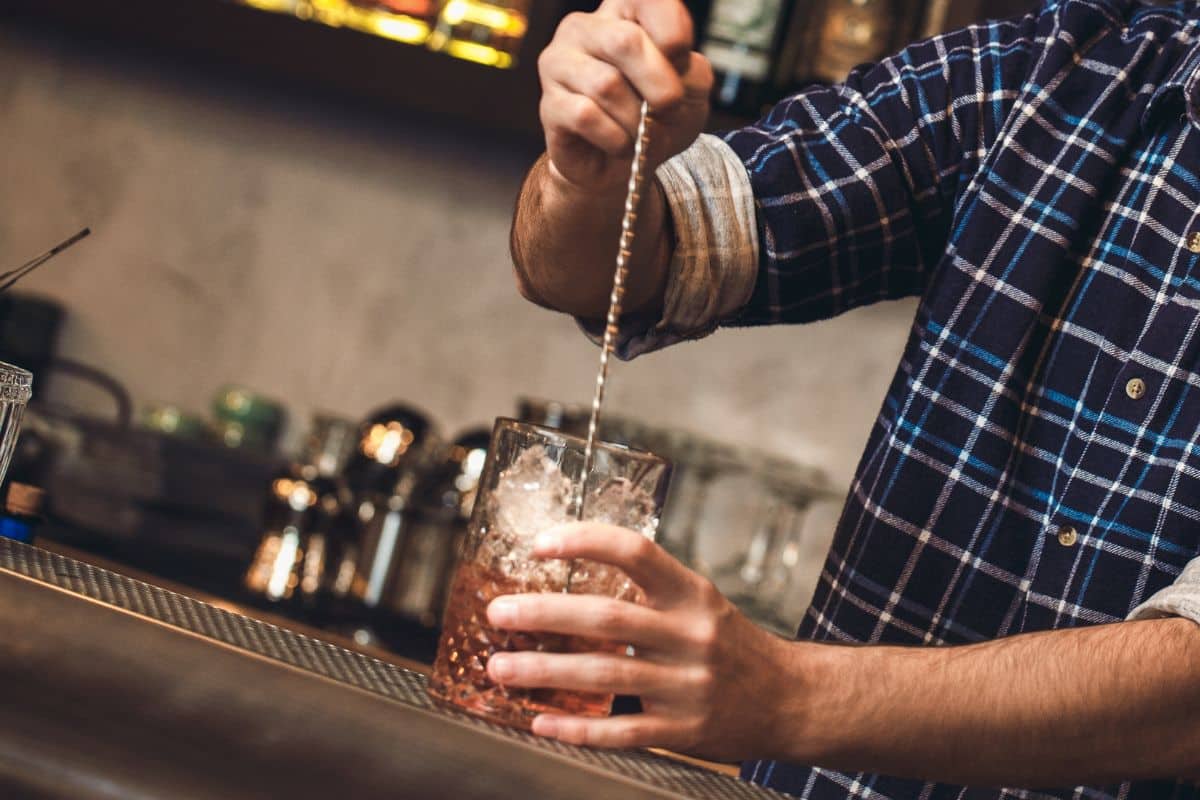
x: 547, y: 544
x: 502, y: 612
x: 545, y: 726
x: 500, y: 667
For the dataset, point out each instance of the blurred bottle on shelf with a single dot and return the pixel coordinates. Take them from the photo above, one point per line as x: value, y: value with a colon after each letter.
x: 416, y: 588
x: 174, y: 421
x: 247, y: 420
x: 565, y: 417
x: 329, y: 445
x: 407, y: 21
x: 742, y: 40
x: 296, y: 7
x: 303, y: 530
x: 421, y: 9
x: 936, y: 18
x: 488, y: 33
x: 823, y: 45
x: 393, y: 449
x: 22, y: 514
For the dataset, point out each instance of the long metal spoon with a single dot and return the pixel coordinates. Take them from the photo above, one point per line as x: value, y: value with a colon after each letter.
x: 624, y: 250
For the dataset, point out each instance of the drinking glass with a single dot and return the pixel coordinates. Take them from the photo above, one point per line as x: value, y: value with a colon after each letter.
x: 15, y: 390
x: 532, y: 481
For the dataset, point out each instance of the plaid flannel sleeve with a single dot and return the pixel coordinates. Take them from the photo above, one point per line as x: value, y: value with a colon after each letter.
x: 857, y: 185
x: 840, y: 197
x: 714, y: 261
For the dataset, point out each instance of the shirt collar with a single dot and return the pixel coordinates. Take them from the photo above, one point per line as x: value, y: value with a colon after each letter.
x: 1183, y: 83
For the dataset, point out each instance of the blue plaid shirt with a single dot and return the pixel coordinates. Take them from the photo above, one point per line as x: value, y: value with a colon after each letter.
x: 1036, y: 462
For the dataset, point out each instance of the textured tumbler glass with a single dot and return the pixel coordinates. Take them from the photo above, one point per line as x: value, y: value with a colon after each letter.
x: 16, y: 387
x: 531, y: 482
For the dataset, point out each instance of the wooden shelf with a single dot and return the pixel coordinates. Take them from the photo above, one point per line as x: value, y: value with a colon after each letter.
x: 254, y: 44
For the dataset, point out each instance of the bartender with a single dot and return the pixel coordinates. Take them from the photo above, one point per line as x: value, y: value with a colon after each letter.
x: 1013, y: 593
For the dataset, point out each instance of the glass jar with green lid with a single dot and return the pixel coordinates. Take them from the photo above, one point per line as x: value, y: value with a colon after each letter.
x: 247, y: 419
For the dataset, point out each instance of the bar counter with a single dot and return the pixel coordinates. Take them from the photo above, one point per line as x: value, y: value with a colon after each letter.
x: 115, y: 688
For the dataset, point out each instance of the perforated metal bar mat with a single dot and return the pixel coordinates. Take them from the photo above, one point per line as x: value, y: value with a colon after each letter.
x: 339, y: 664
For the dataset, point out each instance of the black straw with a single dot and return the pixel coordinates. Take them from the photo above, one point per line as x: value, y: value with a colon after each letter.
x: 7, y: 279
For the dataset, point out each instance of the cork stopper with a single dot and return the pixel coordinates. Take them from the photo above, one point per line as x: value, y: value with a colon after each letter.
x: 24, y: 500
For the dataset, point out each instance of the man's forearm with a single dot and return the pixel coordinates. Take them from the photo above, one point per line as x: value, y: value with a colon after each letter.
x: 1086, y: 706
x: 564, y: 245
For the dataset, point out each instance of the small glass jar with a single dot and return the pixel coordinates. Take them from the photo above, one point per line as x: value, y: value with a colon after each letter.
x: 16, y: 387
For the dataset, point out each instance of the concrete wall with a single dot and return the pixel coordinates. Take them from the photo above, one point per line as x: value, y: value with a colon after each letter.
x: 340, y: 261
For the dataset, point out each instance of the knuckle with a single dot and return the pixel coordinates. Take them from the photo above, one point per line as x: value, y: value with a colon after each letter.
x: 545, y: 60
x: 608, y: 84
x: 640, y: 548
x: 704, y: 683
x: 579, y: 733
x: 628, y: 737
x: 533, y: 668
x: 625, y: 40
x: 611, y: 618
x: 695, y: 730
x: 573, y: 22
x: 705, y: 637
x: 550, y: 110
x: 676, y: 42
x: 670, y: 95
x: 582, y: 114
x: 528, y: 612
x: 607, y: 673
x: 709, y: 595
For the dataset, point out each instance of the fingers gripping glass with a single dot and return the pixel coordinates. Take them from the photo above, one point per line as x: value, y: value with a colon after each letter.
x: 530, y: 483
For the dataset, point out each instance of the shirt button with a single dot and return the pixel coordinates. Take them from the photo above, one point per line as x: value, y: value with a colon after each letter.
x: 1067, y: 536
x: 1136, y: 389
x: 1194, y: 242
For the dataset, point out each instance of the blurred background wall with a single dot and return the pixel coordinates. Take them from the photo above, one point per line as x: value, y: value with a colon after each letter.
x: 339, y: 260
x: 314, y: 204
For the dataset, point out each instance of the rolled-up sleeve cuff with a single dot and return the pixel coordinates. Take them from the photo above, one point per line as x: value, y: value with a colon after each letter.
x: 1181, y: 599
x: 715, y: 262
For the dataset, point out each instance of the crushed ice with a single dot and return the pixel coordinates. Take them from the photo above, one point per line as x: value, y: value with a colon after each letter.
x: 533, y: 495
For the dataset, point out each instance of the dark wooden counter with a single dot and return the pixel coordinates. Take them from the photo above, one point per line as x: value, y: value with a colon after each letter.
x: 113, y: 688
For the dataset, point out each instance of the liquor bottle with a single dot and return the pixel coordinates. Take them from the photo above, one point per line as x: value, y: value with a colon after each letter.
x: 443, y: 503
x: 393, y: 450
x: 742, y: 42
x: 407, y: 21
x: 825, y: 46
x: 937, y: 14
x: 289, y: 568
x: 23, y: 506
x: 488, y: 32
x: 329, y: 445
